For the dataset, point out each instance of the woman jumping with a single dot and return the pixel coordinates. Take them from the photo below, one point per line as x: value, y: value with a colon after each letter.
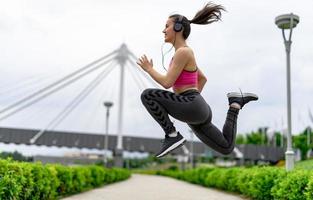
x: 187, y: 80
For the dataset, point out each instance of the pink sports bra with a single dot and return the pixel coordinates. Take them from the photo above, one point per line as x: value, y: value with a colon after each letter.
x: 186, y: 78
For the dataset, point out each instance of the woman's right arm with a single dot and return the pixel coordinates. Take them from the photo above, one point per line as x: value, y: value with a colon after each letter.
x: 201, y: 80
x: 179, y: 61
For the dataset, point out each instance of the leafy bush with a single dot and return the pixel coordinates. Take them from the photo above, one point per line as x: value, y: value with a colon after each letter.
x: 46, y: 181
x: 293, y: 186
x: 309, y: 189
x: 261, y: 183
x: 11, y: 176
x: 65, y: 176
x: 36, y: 181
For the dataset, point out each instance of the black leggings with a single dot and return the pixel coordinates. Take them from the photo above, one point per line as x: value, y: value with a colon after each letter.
x: 190, y: 107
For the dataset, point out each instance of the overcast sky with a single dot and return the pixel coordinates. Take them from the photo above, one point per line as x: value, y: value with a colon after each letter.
x: 42, y: 41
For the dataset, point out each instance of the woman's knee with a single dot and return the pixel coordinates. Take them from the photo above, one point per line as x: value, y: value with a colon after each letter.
x: 228, y: 150
x: 145, y: 94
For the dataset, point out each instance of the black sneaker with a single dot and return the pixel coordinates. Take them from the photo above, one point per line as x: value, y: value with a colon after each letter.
x: 170, y: 143
x: 241, y: 98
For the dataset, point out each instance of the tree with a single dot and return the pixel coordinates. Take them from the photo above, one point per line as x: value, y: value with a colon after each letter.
x: 300, y: 142
x: 240, y: 139
x: 278, y: 140
x: 15, y: 156
x: 256, y: 138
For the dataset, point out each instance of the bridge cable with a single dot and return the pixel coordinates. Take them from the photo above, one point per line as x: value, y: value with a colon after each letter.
x: 55, y: 83
x: 140, y: 84
x: 52, y: 91
x: 145, y: 75
x: 73, y: 104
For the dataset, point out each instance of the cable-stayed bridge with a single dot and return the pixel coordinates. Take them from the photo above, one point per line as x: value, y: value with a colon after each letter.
x: 123, y: 60
x: 139, y: 144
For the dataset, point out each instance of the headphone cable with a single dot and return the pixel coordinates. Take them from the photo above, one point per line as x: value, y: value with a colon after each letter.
x: 166, y: 52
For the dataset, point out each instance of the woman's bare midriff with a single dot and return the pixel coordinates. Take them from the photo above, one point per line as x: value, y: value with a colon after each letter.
x: 183, y: 89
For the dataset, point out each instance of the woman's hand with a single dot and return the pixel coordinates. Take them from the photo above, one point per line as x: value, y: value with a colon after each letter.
x: 144, y: 63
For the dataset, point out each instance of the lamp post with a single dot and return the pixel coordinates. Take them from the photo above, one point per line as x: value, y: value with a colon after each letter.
x: 288, y: 21
x: 108, y: 105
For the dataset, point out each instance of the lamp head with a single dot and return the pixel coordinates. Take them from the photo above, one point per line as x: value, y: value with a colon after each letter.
x: 287, y: 21
x: 108, y: 104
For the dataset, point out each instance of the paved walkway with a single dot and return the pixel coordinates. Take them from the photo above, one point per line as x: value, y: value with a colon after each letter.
x: 146, y: 187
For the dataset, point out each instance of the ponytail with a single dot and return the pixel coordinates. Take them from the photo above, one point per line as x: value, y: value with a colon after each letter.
x: 208, y: 14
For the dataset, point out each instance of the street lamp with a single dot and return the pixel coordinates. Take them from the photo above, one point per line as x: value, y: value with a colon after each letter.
x: 108, y: 105
x: 288, y: 21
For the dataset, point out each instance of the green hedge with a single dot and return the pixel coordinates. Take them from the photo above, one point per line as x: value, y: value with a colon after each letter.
x: 35, y: 181
x: 261, y: 183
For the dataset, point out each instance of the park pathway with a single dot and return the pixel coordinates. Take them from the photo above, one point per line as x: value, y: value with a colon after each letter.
x: 147, y: 187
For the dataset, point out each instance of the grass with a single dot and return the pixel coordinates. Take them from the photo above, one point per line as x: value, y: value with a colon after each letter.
x: 306, y: 164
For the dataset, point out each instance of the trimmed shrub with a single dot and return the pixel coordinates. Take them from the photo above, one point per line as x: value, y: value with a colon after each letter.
x: 293, y: 186
x: 231, y: 179
x: 11, y: 180
x: 28, y: 182
x: 34, y: 181
x: 97, y: 175
x: 213, y: 178
x: 201, y: 174
x: 309, y: 189
x: 65, y: 176
x: 263, y: 179
x: 260, y: 183
x: 46, y: 182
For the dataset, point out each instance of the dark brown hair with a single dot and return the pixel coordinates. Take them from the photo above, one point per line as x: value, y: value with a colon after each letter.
x: 208, y: 14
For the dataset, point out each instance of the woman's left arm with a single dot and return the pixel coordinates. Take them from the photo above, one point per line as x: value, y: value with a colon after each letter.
x: 179, y: 61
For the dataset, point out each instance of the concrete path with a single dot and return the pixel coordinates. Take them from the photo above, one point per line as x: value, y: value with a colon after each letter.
x: 146, y: 187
